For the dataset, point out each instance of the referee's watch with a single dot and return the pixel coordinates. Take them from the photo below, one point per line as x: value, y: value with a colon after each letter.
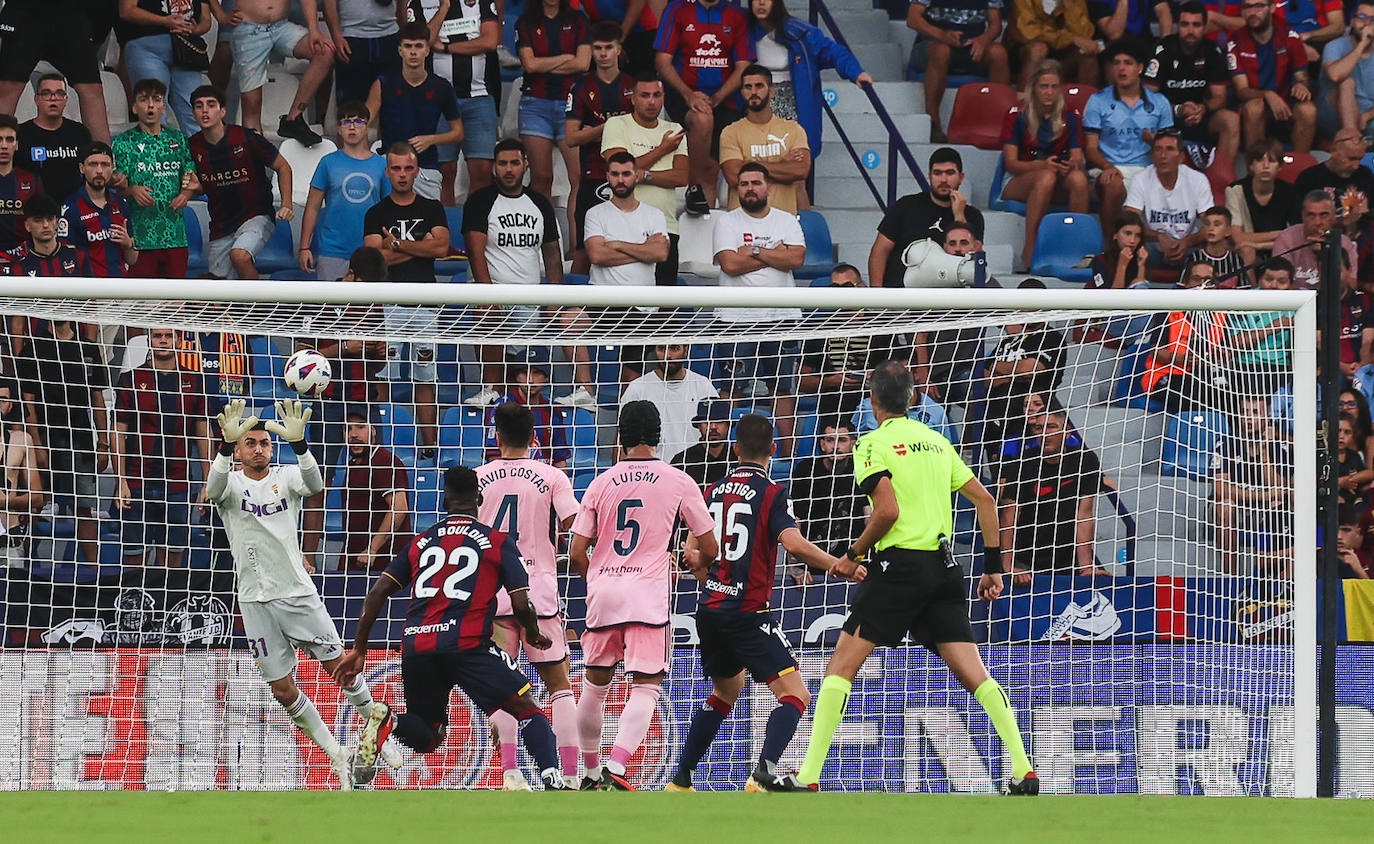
x: 853, y: 553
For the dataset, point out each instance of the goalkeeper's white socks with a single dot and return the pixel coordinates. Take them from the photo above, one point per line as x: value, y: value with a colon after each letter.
x: 307, y: 717
x: 360, y: 696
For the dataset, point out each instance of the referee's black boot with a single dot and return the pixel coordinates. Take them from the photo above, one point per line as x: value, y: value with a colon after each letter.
x: 1027, y: 786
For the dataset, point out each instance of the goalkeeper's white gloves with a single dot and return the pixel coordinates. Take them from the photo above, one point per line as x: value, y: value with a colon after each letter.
x: 292, y: 417
x: 232, y: 423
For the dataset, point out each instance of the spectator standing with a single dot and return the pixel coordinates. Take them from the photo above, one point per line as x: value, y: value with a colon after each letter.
x: 702, y: 51
x: 764, y: 137
x: 527, y: 373
x: 1347, y: 98
x: 1130, y: 18
x: 60, y: 33
x: 676, y: 391
x: 231, y: 164
x: 159, y: 176
x: 920, y: 216
x: 603, y: 93
x: 50, y: 143
x: 95, y: 219
x: 1042, y: 153
x: 1120, y: 122
x: 466, y: 55
x: 1190, y: 71
x: 43, y: 255
x: 154, y: 35
x: 1059, y: 29
x: 829, y: 506
x: 551, y: 41
x: 797, y: 52
x: 1253, y: 471
x: 1170, y: 199
x: 1261, y: 204
x: 410, y: 231
x: 1318, y: 216
x: 1048, y: 514
x: 376, y: 498
x: 346, y: 183
x: 363, y: 33
x: 17, y: 186
x: 64, y: 380
x: 263, y: 31
x: 22, y: 493
x: 159, y: 414
x: 959, y: 37
x: 1268, y: 64
x: 407, y: 106
x: 660, y: 160
x: 1028, y: 359
x: 709, y: 460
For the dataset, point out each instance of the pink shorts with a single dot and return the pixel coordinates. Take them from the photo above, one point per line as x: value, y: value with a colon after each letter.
x: 643, y: 647
x: 506, y: 630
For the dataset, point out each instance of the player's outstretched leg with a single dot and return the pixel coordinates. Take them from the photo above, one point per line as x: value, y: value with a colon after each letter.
x: 305, y: 716
x: 591, y: 712
x: 965, y: 662
x: 634, y: 726
x: 705, y: 725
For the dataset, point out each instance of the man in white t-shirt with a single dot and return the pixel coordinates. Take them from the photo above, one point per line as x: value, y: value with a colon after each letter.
x: 675, y: 390
x: 757, y: 245
x: 1170, y: 199
x: 660, y: 159
x: 625, y: 238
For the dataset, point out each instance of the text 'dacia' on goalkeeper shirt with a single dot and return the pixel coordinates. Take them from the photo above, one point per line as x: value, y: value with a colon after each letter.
x: 924, y: 469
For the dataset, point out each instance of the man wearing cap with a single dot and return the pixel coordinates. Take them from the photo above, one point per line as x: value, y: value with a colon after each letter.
x: 709, y: 460
x: 528, y: 375
x: 676, y: 391
x: 376, y: 499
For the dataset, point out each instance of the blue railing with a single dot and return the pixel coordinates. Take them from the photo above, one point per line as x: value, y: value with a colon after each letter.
x: 896, y: 144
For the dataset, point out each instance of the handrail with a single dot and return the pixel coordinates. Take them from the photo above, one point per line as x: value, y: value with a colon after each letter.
x: 896, y: 144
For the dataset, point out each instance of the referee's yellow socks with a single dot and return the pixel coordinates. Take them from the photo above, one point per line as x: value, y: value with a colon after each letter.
x: 994, y: 700
x: 829, y: 710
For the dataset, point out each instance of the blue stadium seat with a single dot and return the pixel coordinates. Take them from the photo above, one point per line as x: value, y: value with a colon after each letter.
x: 576, y: 278
x: 583, y: 439
x: 607, y: 377
x: 1063, y: 241
x: 266, y: 364
x: 820, y: 248
x: 995, y: 200
x: 395, y: 426
x: 456, y: 241
x: 428, y: 498
x: 333, y: 500
x: 451, y: 267
x: 1190, y: 440
x: 197, y: 259
x: 280, y: 251
x: 291, y: 275
x: 1126, y: 389
x: 462, y: 437
x: 806, y: 437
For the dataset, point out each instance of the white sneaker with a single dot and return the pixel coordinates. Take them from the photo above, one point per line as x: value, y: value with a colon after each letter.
x: 343, y: 769
x: 579, y: 397
x: 505, y: 57
x: 487, y: 396
x: 391, y: 753
x: 514, y: 781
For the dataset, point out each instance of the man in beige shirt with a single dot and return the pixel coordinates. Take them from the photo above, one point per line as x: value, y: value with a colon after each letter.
x: 768, y: 139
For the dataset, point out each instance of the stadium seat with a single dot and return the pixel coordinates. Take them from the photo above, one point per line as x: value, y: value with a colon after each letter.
x: 583, y: 439
x: 1076, y: 97
x: 1126, y: 389
x: 280, y: 251
x: 395, y: 428
x: 462, y: 437
x: 1063, y: 241
x: 820, y: 248
x: 457, y: 245
x: 805, y: 445
x: 1190, y: 439
x: 995, y: 200
x: 1220, y: 173
x: 116, y: 102
x: 197, y: 258
x: 303, y: 161
x: 576, y: 278
x: 695, y: 236
x: 291, y: 275
x: 979, y: 109
x: 1293, y: 165
x: 427, y: 500
x: 266, y: 365
x: 451, y: 267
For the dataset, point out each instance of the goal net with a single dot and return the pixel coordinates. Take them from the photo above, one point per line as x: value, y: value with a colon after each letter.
x: 1154, y: 469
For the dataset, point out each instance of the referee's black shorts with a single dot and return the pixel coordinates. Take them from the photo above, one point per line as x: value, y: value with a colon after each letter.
x: 916, y: 594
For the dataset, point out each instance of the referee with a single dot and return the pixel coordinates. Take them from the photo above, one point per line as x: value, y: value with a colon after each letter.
x: 914, y: 586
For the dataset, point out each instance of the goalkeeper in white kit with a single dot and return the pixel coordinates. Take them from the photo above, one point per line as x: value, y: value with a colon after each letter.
x: 260, y: 505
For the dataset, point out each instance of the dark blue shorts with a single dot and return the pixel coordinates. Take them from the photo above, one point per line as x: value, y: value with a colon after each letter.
x: 483, y: 674
x: 732, y: 641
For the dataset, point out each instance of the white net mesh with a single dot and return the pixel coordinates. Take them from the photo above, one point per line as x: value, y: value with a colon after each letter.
x: 1143, y: 461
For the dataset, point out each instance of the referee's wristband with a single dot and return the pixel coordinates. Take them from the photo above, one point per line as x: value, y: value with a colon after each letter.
x: 992, y: 560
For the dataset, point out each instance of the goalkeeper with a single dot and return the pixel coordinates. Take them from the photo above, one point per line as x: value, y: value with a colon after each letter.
x: 914, y: 586
x: 260, y: 505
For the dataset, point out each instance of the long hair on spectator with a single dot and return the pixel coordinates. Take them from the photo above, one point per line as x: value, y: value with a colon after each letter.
x: 775, y: 19
x: 535, y: 11
x: 1363, y: 421
x: 1048, y: 67
x: 1113, y: 250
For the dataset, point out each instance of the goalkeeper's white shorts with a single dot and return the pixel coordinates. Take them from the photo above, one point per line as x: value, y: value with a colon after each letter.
x: 276, y: 628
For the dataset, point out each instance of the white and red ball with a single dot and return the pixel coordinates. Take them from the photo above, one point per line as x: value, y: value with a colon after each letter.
x: 308, y: 373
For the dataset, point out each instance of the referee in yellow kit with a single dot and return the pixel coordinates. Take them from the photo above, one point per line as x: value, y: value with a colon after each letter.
x: 914, y: 585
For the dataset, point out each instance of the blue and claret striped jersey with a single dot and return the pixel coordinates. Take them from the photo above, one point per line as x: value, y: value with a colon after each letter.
x: 550, y: 37
x: 15, y: 190
x: 233, y: 174
x: 750, y: 512
x: 591, y: 102
x: 86, y: 226
x: 705, y: 43
x: 454, y: 570
x: 65, y: 262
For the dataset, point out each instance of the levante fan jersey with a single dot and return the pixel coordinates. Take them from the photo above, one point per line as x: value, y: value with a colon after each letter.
x: 705, y: 43
x: 454, y: 570
x: 591, y: 102
x: 751, y: 512
x: 86, y: 226
x: 15, y: 190
x: 233, y: 174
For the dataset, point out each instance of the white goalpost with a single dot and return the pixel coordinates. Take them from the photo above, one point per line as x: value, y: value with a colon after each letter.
x: 1159, y: 634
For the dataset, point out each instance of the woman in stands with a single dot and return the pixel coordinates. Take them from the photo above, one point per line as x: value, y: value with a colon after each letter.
x: 551, y: 40
x: 1042, y: 152
x: 1123, y: 266
x: 797, y: 52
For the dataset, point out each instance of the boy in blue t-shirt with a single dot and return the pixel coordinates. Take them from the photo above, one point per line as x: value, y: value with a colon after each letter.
x: 346, y: 183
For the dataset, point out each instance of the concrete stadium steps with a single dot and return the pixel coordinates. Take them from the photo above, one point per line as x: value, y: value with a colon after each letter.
x: 1091, y: 371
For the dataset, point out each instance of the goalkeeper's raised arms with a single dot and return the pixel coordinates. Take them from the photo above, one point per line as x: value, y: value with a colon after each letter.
x: 292, y: 417
x: 233, y: 424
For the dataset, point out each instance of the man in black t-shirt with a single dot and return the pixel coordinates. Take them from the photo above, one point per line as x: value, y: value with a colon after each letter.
x: 411, y: 232
x: 829, y: 506
x: 1189, y: 69
x: 1345, y: 179
x: 50, y: 144
x: 1028, y: 359
x: 1047, y: 501
x: 710, y: 459
x: 920, y: 216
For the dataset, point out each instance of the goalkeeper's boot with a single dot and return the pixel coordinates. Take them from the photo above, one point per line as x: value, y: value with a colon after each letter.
x: 766, y: 778
x: 594, y: 780
x: 1027, y: 786
x: 514, y: 781
x: 391, y: 753
x: 554, y: 781
x: 343, y: 769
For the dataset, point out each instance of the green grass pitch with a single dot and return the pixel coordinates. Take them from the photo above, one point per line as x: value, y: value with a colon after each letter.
x: 654, y: 818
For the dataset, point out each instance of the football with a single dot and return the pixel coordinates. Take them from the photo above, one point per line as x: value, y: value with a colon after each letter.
x: 308, y: 373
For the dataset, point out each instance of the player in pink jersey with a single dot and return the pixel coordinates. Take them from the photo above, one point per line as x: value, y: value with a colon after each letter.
x: 529, y: 501
x: 627, y: 521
